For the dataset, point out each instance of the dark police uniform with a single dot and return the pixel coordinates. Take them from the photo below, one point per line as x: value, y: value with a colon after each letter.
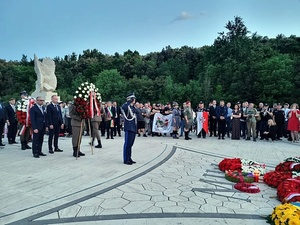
x: 130, y: 128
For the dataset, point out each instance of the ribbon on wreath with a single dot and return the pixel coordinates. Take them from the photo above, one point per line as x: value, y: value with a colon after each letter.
x: 93, y: 103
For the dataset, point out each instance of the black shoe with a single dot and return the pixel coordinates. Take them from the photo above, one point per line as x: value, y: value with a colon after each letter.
x: 58, y: 150
x: 112, y: 138
x: 254, y: 139
x: 36, y: 156
x: 98, y: 146
x: 1, y: 144
x: 81, y: 154
x: 248, y: 139
x: 132, y: 161
x: 223, y: 138
x: 128, y: 163
x: 107, y: 138
x: 219, y: 138
x: 42, y: 154
x: 27, y: 147
x: 10, y: 142
x: 261, y: 139
x: 139, y: 135
x: 144, y: 135
x: 279, y: 139
x: 14, y: 142
x: 75, y: 154
x: 51, y: 151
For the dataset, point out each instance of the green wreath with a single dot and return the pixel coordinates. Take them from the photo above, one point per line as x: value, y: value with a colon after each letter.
x: 236, y: 176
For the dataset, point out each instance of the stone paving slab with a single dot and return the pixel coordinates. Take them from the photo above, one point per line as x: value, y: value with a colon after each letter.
x: 172, y: 177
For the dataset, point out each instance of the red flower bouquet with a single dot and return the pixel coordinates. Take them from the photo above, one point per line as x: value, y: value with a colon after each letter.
x: 230, y: 164
x: 289, y: 190
x: 274, y: 178
x: 288, y: 166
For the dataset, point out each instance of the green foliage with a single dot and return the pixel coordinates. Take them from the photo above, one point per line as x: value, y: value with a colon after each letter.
x: 239, y: 66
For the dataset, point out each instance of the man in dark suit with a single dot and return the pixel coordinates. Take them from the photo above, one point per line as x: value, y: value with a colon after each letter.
x: 213, y: 119
x: 37, y: 118
x: 110, y: 114
x: 3, y: 119
x: 117, y: 121
x: 130, y: 128
x: 12, y: 122
x: 54, y: 124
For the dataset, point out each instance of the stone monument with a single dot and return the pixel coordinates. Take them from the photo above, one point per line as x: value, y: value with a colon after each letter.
x: 46, y: 80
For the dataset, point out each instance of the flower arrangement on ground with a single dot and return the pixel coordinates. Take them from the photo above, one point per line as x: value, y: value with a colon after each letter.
x: 274, y: 178
x: 289, y: 190
x: 285, y: 214
x: 237, y: 176
x: 243, y: 165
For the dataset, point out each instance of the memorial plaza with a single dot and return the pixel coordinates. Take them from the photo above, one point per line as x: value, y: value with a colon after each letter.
x: 173, y: 182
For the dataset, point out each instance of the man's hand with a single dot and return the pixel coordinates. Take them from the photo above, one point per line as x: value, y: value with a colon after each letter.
x: 35, y: 131
x: 51, y: 127
x: 62, y: 126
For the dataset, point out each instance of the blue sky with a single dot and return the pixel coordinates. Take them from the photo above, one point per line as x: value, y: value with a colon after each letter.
x: 52, y: 28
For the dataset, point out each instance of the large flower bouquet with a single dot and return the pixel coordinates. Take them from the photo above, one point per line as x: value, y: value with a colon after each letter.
x: 22, y: 113
x: 289, y: 190
x: 288, y: 166
x: 285, y: 214
x: 243, y: 165
x: 274, y: 178
x: 87, y: 100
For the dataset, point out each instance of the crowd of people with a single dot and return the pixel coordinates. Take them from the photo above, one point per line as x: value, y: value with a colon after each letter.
x: 236, y: 121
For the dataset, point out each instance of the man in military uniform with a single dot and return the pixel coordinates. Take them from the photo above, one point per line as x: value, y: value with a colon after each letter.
x: 95, y: 122
x: 76, y: 123
x: 130, y: 128
x: 188, y: 116
x: 251, y: 115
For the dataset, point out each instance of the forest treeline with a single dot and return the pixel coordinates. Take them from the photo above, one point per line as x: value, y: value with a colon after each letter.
x: 238, y: 66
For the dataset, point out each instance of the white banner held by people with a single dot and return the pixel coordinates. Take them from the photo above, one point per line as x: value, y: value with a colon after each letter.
x: 162, y: 124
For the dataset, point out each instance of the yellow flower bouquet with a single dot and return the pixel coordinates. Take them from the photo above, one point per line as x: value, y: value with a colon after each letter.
x: 285, y: 214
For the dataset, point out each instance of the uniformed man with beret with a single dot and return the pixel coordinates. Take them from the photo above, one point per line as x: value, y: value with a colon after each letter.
x: 130, y: 127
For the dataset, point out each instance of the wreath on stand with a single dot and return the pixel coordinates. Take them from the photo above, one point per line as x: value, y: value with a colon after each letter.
x: 22, y: 113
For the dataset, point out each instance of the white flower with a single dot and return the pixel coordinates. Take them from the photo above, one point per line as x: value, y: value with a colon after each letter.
x: 75, y: 96
x: 79, y: 88
x: 86, y: 96
x: 85, y: 88
x: 83, y: 91
x: 76, y: 92
x: 85, y: 99
x: 82, y: 84
x: 23, y: 110
x: 96, y: 89
x: 86, y: 83
x: 80, y: 95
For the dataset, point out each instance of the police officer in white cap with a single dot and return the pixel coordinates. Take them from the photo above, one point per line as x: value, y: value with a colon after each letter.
x: 130, y: 128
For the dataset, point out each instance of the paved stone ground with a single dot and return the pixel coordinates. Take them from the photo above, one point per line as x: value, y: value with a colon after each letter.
x: 173, y: 182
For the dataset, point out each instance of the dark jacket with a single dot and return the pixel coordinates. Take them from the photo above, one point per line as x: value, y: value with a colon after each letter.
x: 37, y: 118
x: 3, y: 115
x: 129, y: 121
x: 11, y: 114
x: 54, y: 116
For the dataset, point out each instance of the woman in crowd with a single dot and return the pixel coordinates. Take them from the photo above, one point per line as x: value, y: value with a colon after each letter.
x: 236, y: 128
x: 270, y: 131
x: 293, y: 123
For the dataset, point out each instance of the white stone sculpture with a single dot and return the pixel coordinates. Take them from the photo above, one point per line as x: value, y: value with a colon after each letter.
x: 46, y: 80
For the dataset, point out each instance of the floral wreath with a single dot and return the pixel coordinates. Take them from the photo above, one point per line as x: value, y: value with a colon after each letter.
x: 236, y: 176
x: 243, y: 165
x: 87, y: 100
x: 274, y: 178
x: 289, y: 190
x: 22, y: 113
x: 287, y: 214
